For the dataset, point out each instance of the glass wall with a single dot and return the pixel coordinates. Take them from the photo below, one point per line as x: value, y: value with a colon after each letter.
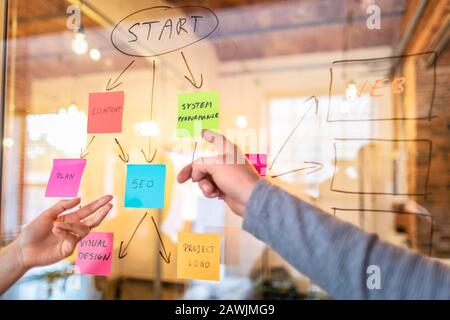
x: 304, y: 82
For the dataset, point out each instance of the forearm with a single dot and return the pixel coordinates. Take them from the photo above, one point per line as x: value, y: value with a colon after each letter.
x: 336, y: 255
x: 11, y: 266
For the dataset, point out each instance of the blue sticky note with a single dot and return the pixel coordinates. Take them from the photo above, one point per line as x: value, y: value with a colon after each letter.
x: 145, y: 186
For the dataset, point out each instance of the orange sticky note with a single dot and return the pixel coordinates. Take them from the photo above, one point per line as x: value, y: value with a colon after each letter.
x: 105, y: 112
x: 198, y: 256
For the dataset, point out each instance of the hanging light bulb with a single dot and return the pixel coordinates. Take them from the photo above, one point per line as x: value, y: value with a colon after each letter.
x: 241, y: 122
x: 95, y: 54
x: 79, y: 43
x: 8, y: 142
x: 351, y: 92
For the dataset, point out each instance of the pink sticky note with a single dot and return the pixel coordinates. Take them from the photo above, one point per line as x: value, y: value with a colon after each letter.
x: 259, y: 162
x: 65, y: 177
x: 95, y: 253
x: 105, y: 112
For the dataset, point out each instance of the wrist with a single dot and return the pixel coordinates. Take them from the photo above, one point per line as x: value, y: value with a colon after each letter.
x: 248, y: 191
x: 12, y: 267
x: 16, y: 254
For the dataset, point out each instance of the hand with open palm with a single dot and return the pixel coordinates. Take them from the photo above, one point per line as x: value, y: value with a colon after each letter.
x: 53, y: 236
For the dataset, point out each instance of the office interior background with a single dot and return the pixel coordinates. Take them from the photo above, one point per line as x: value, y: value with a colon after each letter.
x: 382, y: 164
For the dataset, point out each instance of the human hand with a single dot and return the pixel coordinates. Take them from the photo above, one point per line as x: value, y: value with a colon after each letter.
x: 52, y: 236
x: 228, y: 176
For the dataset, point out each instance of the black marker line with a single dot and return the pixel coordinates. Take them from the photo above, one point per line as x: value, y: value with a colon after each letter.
x: 385, y: 119
x: 192, y: 79
x: 165, y: 8
x: 165, y: 257
x: 317, y: 166
x: 151, y: 158
x: 383, y: 211
x: 428, y: 117
x: 424, y: 194
x: 110, y: 86
x: 381, y: 139
x: 316, y: 104
x: 83, y: 154
x: 385, y: 58
x: 124, y: 157
x: 153, y: 89
x: 123, y: 254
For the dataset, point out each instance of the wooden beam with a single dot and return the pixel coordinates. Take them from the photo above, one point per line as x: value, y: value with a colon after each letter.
x: 435, y: 13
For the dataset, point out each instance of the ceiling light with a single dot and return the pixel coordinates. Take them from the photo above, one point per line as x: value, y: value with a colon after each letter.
x: 241, y: 122
x: 8, y: 142
x: 95, y: 54
x: 79, y: 43
x: 351, y: 92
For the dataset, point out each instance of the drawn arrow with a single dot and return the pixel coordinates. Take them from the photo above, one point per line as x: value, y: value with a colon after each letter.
x: 151, y: 158
x: 165, y: 257
x: 110, y: 86
x: 123, y: 254
x: 192, y: 79
x: 124, y: 157
x: 316, y: 166
x: 83, y: 154
x: 316, y: 104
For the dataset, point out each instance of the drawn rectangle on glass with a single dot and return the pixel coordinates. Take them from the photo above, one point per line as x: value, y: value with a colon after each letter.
x: 349, y: 153
x: 363, y: 89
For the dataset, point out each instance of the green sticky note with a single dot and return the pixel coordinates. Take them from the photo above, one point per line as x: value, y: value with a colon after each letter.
x: 197, y: 111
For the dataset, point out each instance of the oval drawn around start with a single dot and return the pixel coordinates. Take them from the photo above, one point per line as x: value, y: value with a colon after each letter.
x: 159, y: 30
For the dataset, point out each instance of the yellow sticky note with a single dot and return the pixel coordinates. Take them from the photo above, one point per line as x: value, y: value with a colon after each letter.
x: 198, y: 256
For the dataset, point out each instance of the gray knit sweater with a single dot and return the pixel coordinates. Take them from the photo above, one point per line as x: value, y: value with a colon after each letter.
x: 336, y: 255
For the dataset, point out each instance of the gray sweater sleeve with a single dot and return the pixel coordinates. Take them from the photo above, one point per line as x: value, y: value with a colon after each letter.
x: 336, y: 255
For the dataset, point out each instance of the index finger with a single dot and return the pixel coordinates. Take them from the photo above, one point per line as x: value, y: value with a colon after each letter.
x: 222, y: 144
x: 185, y: 174
x: 230, y: 152
x: 62, y: 206
x: 198, y: 169
x: 89, y: 209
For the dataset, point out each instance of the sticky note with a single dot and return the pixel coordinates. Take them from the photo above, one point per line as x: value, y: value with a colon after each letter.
x: 259, y: 162
x: 198, y: 256
x: 197, y: 111
x: 105, y: 112
x: 65, y: 177
x: 95, y: 253
x: 145, y: 184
